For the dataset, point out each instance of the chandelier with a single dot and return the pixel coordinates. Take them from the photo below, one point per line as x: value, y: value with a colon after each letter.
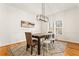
x: 42, y: 17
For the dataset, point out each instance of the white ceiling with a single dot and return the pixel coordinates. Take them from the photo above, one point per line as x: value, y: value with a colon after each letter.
x: 50, y: 8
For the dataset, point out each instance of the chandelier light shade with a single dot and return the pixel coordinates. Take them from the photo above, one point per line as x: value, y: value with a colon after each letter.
x: 42, y: 17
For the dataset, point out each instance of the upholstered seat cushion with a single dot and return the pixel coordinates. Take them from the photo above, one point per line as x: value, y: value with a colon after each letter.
x: 35, y: 42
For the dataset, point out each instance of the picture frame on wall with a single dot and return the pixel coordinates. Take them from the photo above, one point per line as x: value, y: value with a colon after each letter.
x: 26, y: 24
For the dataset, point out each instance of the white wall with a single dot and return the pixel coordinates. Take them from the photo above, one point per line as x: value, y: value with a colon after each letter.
x: 44, y: 27
x: 70, y: 19
x: 11, y: 31
x: 3, y: 25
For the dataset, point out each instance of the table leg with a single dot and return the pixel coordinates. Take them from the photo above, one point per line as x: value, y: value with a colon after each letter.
x: 39, y: 46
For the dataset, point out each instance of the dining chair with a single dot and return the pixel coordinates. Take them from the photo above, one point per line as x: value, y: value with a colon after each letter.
x: 48, y: 42
x: 31, y: 43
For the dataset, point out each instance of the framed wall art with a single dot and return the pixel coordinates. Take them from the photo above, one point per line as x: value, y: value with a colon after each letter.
x: 27, y: 24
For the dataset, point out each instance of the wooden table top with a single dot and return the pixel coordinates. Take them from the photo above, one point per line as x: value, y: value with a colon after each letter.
x: 41, y: 34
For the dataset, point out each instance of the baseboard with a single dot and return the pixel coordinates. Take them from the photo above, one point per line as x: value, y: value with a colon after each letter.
x: 12, y: 43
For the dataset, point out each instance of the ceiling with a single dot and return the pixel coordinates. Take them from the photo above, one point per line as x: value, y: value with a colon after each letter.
x: 50, y: 8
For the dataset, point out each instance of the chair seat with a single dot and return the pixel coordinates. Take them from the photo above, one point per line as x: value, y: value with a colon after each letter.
x: 34, y: 39
x: 46, y: 41
x: 35, y: 42
x: 52, y: 39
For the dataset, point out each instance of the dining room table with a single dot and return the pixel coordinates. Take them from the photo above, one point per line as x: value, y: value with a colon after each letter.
x: 39, y: 36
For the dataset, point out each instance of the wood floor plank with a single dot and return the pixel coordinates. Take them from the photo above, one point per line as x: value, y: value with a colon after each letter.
x: 4, y: 49
x: 71, y: 50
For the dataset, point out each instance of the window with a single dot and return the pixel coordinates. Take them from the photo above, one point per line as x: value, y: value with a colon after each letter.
x: 58, y: 27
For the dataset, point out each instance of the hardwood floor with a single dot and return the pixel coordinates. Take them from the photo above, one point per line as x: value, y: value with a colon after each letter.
x: 4, y: 49
x: 72, y: 49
